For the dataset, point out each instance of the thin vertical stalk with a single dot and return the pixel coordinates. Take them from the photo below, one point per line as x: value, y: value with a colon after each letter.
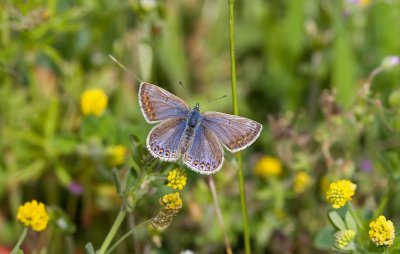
x: 20, y: 240
x: 110, y: 236
x: 219, y: 214
x: 236, y: 112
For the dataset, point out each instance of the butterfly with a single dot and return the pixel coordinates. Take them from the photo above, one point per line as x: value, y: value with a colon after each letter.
x: 184, y: 131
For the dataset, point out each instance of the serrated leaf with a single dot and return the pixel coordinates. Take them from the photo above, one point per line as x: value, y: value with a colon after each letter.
x: 336, y: 220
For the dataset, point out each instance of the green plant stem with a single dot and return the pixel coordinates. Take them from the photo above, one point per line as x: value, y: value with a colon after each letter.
x: 219, y: 214
x: 236, y: 112
x: 110, y: 236
x: 20, y: 240
x: 358, y: 221
x: 127, y: 234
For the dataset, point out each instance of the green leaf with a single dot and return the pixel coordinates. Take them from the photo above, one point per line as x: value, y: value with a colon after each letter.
x: 117, y: 181
x: 396, y: 244
x: 50, y: 123
x: 324, y: 239
x: 63, y: 176
x: 336, y: 220
x: 89, y: 248
x: 372, y: 248
x: 350, y: 222
x: 64, y: 144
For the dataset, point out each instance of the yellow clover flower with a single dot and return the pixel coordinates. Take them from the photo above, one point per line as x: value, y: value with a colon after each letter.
x: 171, y: 201
x: 93, y: 102
x: 382, y: 231
x: 177, y: 179
x: 268, y: 166
x: 116, y: 155
x: 33, y: 214
x: 343, y: 238
x: 340, y: 192
x: 302, y: 181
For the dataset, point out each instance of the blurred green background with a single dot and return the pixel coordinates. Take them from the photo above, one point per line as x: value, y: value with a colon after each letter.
x: 288, y: 52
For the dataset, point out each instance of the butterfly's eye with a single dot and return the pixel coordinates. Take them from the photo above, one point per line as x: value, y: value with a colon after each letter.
x: 195, y: 163
x: 161, y: 151
x: 167, y: 153
x: 202, y: 165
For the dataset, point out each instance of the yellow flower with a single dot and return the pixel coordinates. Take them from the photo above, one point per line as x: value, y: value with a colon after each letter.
x: 302, y: 181
x: 33, y: 214
x: 364, y: 3
x: 268, y: 166
x: 340, y: 192
x: 344, y: 238
x: 171, y: 201
x: 177, y: 179
x: 381, y: 231
x: 116, y: 155
x: 93, y: 102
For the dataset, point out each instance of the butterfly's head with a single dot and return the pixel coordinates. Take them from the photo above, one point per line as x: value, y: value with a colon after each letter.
x: 197, y: 107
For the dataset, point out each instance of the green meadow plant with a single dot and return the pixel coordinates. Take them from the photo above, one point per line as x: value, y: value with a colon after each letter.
x: 321, y: 76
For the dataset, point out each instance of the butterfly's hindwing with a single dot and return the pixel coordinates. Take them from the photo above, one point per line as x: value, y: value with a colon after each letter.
x: 235, y: 132
x: 205, y: 155
x: 158, y: 104
x: 164, y: 139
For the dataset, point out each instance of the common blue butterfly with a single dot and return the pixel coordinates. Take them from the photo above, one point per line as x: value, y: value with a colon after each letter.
x: 188, y: 132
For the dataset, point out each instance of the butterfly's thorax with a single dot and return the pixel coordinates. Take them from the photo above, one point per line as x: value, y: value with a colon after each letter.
x: 193, y: 121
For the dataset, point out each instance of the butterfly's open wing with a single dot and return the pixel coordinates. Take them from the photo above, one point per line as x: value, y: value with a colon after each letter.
x: 158, y: 104
x: 235, y: 132
x: 205, y: 155
x: 164, y: 139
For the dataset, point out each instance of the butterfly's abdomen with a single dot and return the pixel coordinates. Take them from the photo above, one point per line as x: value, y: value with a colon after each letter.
x: 187, y: 138
x: 193, y: 120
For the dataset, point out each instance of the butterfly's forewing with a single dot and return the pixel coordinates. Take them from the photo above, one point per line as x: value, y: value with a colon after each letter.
x: 164, y: 139
x: 158, y: 104
x: 205, y: 155
x: 235, y: 132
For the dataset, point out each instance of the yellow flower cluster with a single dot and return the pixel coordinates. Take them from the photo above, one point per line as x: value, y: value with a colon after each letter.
x: 302, y: 181
x: 170, y: 206
x: 177, y: 179
x: 344, y: 238
x: 93, y: 102
x: 382, y: 231
x: 33, y: 214
x: 268, y: 167
x: 340, y: 192
x: 116, y: 155
x: 171, y: 201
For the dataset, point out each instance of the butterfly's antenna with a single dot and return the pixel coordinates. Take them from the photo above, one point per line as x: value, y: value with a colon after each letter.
x: 125, y: 69
x: 212, y: 100
x: 184, y: 88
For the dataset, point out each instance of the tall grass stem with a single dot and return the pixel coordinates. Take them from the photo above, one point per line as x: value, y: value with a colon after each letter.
x: 219, y: 214
x: 235, y: 106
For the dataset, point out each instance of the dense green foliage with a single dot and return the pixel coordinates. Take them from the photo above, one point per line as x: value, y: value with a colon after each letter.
x: 317, y: 74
